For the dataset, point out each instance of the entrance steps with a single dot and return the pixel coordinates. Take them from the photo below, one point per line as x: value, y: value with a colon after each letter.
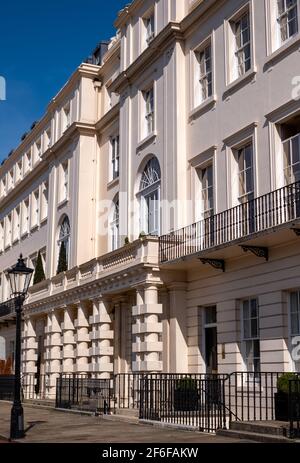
x: 258, y: 431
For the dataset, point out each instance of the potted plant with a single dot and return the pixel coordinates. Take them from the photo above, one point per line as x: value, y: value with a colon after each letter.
x: 282, y: 395
x: 186, y: 396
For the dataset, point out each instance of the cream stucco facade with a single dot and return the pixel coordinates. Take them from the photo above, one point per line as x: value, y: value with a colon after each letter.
x: 191, y: 119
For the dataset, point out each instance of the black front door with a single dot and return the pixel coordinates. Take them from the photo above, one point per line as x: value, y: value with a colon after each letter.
x: 211, y: 356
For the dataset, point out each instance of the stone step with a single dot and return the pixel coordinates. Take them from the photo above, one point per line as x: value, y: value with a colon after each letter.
x: 123, y: 418
x: 274, y: 428
x: 253, y: 436
x: 130, y: 412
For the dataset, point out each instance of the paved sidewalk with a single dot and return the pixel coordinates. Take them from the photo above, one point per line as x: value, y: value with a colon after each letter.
x: 49, y: 425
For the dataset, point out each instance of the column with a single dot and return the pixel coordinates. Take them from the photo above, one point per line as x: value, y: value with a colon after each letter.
x: 147, y: 331
x: 55, y: 352
x: 68, y: 336
x: 82, y: 339
x: 30, y: 346
x: 102, y: 336
x: 178, y: 329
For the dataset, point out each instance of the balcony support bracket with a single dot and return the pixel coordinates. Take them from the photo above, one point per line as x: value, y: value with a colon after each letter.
x: 219, y: 264
x: 296, y: 231
x: 258, y: 251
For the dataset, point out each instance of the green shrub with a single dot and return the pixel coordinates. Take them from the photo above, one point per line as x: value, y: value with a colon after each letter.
x: 283, y: 383
x: 185, y: 384
x: 39, y: 274
x: 62, y: 259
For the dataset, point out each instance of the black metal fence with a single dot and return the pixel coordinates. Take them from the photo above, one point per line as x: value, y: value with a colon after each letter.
x: 81, y: 392
x: 251, y: 397
x: 294, y: 407
x: 7, y: 387
x: 196, y: 401
x: 262, y: 213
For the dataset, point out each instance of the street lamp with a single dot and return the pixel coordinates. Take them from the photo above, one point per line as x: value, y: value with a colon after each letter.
x: 19, y: 277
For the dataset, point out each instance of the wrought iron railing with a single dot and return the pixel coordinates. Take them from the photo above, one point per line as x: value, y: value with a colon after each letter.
x: 81, y: 392
x: 294, y: 407
x: 7, y: 308
x: 257, y: 215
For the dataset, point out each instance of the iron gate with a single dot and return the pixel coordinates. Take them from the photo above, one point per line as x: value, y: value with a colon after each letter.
x: 197, y: 402
x: 83, y: 393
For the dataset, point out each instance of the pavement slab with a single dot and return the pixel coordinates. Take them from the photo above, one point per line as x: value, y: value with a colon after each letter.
x: 52, y: 426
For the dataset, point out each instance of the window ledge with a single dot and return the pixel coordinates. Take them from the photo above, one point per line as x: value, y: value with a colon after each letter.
x: 113, y: 183
x: 203, y: 107
x: 146, y: 141
x: 44, y: 220
x: 239, y: 82
x: 284, y: 49
x: 24, y: 234
x: 62, y: 203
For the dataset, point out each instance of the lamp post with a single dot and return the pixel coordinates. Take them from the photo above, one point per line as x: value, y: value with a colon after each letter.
x: 19, y: 277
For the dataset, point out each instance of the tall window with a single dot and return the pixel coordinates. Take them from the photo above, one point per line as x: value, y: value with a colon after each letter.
x: 44, y: 201
x: 205, y: 73
x: 25, y: 217
x: 63, y: 181
x: 35, y: 208
x: 16, y: 223
x: 115, y: 157
x: 295, y: 321
x: 64, y: 237
x: 149, y: 111
x: 287, y: 19
x: 66, y: 115
x: 245, y: 171
x: 149, y: 27
x: 291, y: 149
x: 150, y: 197
x: 207, y: 190
x: 8, y: 226
x: 242, y: 34
x: 1, y: 235
x: 114, y: 226
x: 250, y: 314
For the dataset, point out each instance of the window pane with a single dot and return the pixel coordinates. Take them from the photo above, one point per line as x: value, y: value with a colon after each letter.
x: 294, y: 302
x: 295, y: 149
x: 254, y: 328
x: 295, y: 324
x: 247, y: 332
x: 254, y: 313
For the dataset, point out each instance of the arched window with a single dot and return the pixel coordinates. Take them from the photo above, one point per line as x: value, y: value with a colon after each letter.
x: 64, y: 243
x: 114, y: 225
x: 149, y: 193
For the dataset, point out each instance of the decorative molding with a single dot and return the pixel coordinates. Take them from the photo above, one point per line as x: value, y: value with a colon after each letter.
x: 258, y: 251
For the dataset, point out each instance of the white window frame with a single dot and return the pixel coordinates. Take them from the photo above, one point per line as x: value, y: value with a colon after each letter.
x: 148, y: 119
x: 199, y: 97
x: 114, y: 157
x: 144, y: 195
x: 251, y: 338
x: 284, y: 14
x: 35, y: 208
x: 64, y: 181
x: 291, y: 178
x: 115, y: 225
x: 294, y: 365
x: 25, y: 216
x: 246, y: 195
x: 205, y: 187
x: 44, y: 200
x: 232, y: 69
x: 1, y: 236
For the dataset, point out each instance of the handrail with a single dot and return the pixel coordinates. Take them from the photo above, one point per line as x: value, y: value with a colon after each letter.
x: 253, y: 216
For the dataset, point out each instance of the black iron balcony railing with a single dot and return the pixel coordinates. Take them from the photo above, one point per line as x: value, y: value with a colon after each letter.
x: 7, y: 308
x: 265, y: 212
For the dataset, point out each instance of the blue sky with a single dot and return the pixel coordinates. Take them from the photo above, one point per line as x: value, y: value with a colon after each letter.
x: 40, y: 46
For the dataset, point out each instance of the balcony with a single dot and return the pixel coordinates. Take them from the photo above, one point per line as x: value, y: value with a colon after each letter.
x: 7, y: 311
x: 274, y: 211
